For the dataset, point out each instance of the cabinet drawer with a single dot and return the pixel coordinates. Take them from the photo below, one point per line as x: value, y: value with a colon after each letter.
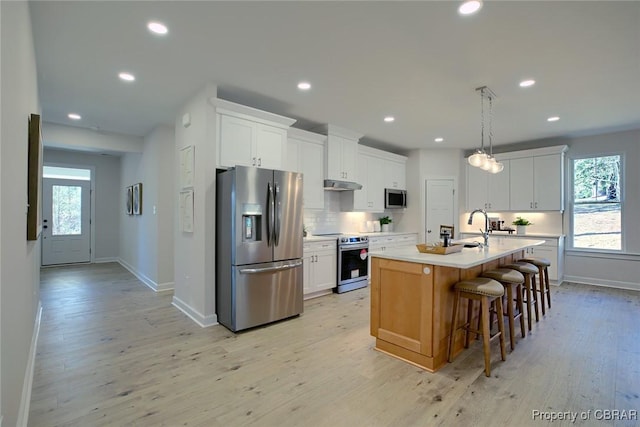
x: 318, y: 246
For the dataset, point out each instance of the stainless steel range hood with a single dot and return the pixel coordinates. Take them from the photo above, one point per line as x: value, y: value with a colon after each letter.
x: 333, y: 185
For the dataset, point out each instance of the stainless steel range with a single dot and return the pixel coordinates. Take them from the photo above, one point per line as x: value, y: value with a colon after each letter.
x: 353, y: 256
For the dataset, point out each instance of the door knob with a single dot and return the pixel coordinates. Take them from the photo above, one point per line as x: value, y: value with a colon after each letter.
x: 45, y: 226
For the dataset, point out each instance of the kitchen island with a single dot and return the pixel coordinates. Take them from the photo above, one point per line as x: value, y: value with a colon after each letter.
x: 412, y: 296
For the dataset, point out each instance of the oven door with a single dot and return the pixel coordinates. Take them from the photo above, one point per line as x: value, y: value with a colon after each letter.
x: 353, y: 263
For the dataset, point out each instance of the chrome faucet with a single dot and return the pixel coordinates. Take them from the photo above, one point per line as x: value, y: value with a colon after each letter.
x: 485, y: 233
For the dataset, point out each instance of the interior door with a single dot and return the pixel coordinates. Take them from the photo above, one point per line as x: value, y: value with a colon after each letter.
x: 439, y: 205
x: 66, y: 229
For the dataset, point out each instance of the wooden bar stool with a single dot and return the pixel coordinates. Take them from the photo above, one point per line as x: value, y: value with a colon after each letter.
x: 543, y: 272
x: 510, y: 279
x: 529, y: 272
x: 488, y: 292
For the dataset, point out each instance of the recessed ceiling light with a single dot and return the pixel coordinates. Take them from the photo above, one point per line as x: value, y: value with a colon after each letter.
x: 527, y: 83
x: 304, y: 85
x: 127, y: 76
x: 439, y: 139
x: 157, y: 28
x: 469, y: 7
x: 389, y: 119
x: 74, y: 116
x: 553, y: 119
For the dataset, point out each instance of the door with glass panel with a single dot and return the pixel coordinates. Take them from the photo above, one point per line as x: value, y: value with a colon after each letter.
x: 66, y: 229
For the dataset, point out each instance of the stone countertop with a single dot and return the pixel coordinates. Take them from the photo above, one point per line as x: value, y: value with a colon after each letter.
x: 506, y: 234
x: 467, y: 258
x: 312, y: 238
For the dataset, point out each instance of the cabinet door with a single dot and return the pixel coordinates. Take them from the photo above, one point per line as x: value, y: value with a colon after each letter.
x: 395, y: 175
x: 375, y: 184
x: 521, y: 191
x: 236, y: 142
x: 325, y: 270
x: 349, y: 159
x: 476, y: 188
x: 334, y: 158
x: 312, y: 168
x: 307, y: 267
x: 498, y: 189
x: 270, y: 144
x: 547, y: 183
x: 292, y: 160
x: 550, y: 253
x: 361, y: 197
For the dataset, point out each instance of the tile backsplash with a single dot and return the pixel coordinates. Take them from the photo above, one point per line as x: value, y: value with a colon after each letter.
x: 333, y: 220
x: 543, y: 222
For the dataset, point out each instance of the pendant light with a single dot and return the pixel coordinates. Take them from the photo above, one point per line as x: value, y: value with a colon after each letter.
x: 480, y: 158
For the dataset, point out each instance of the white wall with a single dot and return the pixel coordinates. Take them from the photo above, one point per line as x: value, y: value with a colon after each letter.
x: 107, y: 195
x: 73, y: 138
x: 612, y: 270
x: 20, y: 273
x: 194, y: 291
x: 426, y: 164
x: 146, y: 241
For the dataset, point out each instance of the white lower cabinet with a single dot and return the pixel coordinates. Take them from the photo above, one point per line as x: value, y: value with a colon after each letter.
x: 552, y: 249
x: 382, y: 243
x: 320, y: 266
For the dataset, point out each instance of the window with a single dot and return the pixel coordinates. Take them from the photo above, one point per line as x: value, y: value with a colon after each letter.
x: 596, y: 220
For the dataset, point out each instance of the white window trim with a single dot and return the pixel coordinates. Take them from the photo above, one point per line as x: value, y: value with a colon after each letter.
x: 571, y: 199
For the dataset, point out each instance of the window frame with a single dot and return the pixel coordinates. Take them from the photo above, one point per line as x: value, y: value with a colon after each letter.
x: 572, y: 204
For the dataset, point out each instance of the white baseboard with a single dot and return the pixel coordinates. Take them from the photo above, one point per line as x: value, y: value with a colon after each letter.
x: 204, y: 321
x: 25, y: 402
x: 156, y: 287
x: 605, y: 283
x: 105, y: 259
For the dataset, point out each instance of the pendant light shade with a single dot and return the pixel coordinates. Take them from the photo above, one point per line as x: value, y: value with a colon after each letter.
x: 480, y: 158
x: 477, y: 159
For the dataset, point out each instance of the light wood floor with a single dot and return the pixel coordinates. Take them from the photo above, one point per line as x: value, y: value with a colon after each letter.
x: 111, y: 352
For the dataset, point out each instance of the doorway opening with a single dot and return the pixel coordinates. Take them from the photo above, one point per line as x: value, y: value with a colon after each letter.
x: 66, y: 215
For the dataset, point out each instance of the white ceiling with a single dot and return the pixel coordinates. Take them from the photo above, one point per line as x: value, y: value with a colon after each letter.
x: 417, y: 61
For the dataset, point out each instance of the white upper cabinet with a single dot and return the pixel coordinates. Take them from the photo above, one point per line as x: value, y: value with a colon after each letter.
x: 341, y: 153
x: 486, y: 190
x: 531, y: 180
x: 537, y: 183
x: 377, y: 170
x: 250, y: 137
x: 305, y: 154
x: 395, y: 174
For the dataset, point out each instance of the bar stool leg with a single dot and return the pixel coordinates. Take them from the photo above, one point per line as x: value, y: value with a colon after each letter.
x: 454, y: 329
x: 541, y: 290
x: 520, y: 305
x: 534, y: 290
x: 546, y: 282
x: 512, y: 336
x: 484, y: 308
x: 467, y: 337
x: 503, y: 350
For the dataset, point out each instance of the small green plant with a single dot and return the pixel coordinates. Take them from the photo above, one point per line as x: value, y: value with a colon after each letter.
x: 521, y: 221
x: 385, y: 220
x: 304, y: 230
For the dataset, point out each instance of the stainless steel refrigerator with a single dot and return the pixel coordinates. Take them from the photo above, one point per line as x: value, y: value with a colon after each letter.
x: 258, y: 246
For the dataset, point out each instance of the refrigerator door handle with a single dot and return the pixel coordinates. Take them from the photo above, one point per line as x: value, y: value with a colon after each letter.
x: 276, y: 218
x: 267, y: 269
x: 269, y: 214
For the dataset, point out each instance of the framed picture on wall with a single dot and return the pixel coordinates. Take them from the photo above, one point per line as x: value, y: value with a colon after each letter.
x: 186, y: 211
x: 186, y: 166
x: 129, y: 200
x: 34, y: 178
x: 137, y: 199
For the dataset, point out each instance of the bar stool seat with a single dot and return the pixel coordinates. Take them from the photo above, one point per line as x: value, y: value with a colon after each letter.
x: 511, y: 279
x: 543, y: 273
x: 488, y: 292
x: 529, y: 271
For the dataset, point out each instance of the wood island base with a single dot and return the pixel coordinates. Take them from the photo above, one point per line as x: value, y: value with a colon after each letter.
x: 412, y: 304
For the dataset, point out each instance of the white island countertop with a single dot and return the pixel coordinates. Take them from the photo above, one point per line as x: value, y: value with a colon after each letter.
x: 467, y: 258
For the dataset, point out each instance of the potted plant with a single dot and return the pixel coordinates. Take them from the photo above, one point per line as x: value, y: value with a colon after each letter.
x: 521, y: 225
x: 385, y: 222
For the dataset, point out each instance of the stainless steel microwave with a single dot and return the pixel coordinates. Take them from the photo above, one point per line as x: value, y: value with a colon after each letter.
x: 394, y: 198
